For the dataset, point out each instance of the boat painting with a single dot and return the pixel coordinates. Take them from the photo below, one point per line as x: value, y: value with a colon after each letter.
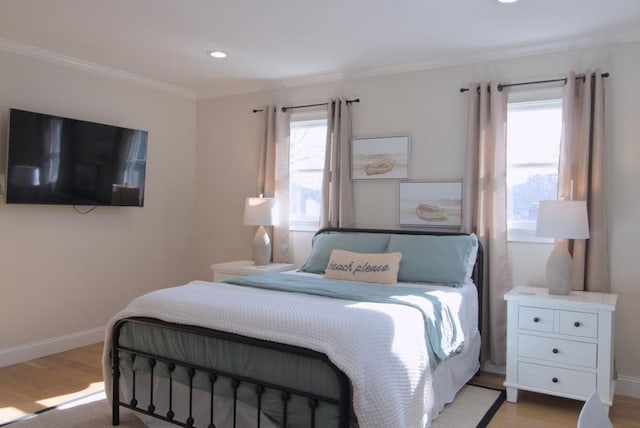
x: 381, y: 166
x: 431, y: 212
x: 380, y: 158
x: 430, y: 203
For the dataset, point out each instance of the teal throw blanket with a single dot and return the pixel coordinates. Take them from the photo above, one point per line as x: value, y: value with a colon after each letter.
x: 443, y: 333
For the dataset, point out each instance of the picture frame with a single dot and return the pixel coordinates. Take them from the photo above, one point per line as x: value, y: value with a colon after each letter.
x: 380, y: 158
x: 436, y: 203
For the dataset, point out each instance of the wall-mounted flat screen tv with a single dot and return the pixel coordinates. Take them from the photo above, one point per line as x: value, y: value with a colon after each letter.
x: 57, y: 160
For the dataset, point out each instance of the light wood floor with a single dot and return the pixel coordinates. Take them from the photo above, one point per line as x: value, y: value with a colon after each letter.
x: 34, y: 385
x: 38, y: 384
x: 539, y: 410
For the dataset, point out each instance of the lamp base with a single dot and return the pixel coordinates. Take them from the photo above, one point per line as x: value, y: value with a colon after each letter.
x: 559, y: 269
x: 261, y: 247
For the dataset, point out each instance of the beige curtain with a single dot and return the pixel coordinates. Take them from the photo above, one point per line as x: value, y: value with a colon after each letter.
x: 337, y: 188
x: 484, y: 207
x: 273, y: 175
x: 581, y: 163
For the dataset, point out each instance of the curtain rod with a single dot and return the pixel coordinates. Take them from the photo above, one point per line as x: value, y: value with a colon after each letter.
x: 357, y: 100
x: 507, y: 85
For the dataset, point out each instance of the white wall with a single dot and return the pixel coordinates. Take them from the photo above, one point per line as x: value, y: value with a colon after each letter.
x: 427, y: 106
x: 63, y: 274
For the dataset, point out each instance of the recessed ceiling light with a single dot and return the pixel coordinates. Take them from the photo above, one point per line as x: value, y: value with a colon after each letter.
x: 507, y: 1
x: 217, y: 54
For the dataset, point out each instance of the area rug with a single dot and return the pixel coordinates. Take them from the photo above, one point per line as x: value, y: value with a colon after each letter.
x: 474, y: 406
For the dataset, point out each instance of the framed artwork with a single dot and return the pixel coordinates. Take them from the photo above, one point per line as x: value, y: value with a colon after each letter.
x: 380, y: 158
x: 431, y: 203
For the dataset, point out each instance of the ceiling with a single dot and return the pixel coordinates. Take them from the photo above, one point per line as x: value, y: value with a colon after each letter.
x: 271, y: 43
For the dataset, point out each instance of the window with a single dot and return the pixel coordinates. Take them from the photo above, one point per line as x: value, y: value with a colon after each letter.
x: 308, y: 135
x: 53, y: 140
x: 136, y: 159
x: 534, y: 124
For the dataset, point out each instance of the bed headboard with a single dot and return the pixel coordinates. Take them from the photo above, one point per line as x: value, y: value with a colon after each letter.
x: 477, y: 270
x: 477, y: 275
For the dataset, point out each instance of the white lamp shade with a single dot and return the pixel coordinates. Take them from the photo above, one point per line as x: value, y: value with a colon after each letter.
x: 260, y: 212
x: 563, y: 220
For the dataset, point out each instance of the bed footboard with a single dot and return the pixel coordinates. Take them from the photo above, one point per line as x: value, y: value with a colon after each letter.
x: 236, y: 386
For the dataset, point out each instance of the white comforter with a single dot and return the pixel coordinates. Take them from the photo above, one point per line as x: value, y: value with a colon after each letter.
x: 380, y: 346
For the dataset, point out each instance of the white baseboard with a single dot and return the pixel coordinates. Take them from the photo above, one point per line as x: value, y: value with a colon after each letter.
x: 29, y: 351
x: 628, y: 386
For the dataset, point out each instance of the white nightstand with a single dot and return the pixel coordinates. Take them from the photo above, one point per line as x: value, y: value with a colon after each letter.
x: 222, y: 271
x: 560, y: 345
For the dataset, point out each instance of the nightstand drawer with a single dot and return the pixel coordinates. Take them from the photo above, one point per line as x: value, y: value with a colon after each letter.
x: 558, y: 350
x: 538, y: 319
x: 556, y: 379
x: 581, y: 324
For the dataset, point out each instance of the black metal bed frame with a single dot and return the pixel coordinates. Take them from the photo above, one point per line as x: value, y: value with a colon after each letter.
x: 215, y: 376
x: 260, y: 387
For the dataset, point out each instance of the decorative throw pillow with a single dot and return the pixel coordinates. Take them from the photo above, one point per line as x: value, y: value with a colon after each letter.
x: 381, y: 268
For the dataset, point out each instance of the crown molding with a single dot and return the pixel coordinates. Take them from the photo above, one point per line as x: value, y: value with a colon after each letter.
x: 503, y: 53
x: 253, y: 87
x: 90, y: 67
x: 509, y: 52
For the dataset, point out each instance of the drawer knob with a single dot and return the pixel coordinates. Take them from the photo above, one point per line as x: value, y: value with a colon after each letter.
x: 576, y: 324
x: 536, y: 319
x: 554, y: 380
x: 555, y: 350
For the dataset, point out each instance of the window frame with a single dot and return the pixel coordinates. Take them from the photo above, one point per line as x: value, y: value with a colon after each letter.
x: 524, y: 231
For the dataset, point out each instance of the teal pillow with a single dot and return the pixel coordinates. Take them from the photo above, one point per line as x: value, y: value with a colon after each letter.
x: 436, y: 259
x: 324, y: 243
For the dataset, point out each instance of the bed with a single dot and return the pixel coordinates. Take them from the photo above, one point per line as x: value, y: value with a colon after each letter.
x: 300, y: 350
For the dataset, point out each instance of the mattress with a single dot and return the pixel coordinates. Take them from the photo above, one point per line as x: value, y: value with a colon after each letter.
x: 448, y: 377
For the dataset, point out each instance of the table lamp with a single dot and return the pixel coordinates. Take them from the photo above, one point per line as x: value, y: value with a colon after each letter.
x: 260, y: 212
x: 561, y: 220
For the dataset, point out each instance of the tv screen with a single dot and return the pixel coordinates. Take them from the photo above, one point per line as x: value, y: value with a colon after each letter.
x: 57, y: 160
